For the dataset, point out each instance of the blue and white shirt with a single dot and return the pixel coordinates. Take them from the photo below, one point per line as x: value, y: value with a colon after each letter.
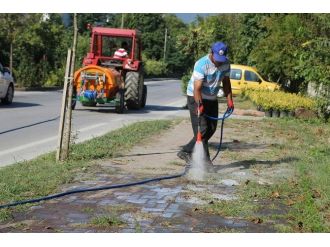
x: 211, y: 76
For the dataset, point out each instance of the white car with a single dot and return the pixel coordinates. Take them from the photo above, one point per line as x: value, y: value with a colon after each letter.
x: 6, y: 86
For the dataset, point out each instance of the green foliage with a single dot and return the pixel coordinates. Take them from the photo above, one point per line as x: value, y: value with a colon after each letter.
x: 152, y: 27
x: 323, y: 108
x: 279, y: 100
x: 39, y: 48
x: 314, y: 59
x: 94, y: 19
x: 55, y: 77
x: 292, y: 49
x: 155, y: 68
x: 82, y: 49
x: 175, y: 59
x: 184, y: 82
x: 107, y: 221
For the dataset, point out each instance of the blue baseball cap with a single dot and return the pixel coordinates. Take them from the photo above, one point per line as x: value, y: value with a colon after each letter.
x: 219, y: 50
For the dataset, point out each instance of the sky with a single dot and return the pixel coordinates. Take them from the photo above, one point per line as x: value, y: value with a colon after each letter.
x: 189, y: 17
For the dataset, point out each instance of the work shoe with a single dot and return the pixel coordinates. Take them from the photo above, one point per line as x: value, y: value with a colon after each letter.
x: 184, y: 156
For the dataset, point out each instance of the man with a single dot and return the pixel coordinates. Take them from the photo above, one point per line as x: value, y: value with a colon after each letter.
x: 209, y: 72
x: 122, y: 52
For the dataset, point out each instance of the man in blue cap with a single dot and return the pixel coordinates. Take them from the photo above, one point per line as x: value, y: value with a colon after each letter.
x: 203, y: 87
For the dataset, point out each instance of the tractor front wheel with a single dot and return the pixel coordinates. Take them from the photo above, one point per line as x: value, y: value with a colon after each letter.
x: 121, y: 98
x: 144, y: 96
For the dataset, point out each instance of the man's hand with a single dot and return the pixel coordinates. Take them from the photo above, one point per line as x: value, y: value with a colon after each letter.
x: 230, y: 103
x: 199, y: 109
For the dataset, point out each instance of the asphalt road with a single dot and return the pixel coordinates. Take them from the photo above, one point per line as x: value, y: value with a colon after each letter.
x: 29, y: 127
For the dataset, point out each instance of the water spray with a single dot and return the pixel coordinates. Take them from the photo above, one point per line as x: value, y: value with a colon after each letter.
x: 199, y: 134
x: 198, y: 168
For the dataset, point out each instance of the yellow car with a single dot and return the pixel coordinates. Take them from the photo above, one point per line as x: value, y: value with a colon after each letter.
x: 244, y: 77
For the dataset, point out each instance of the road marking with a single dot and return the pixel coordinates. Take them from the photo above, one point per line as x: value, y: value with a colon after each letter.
x: 43, y: 141
x: 178, y: 102
x: 92, y: 127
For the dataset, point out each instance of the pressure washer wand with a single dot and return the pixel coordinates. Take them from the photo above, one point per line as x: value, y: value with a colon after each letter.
x: 199, y: 134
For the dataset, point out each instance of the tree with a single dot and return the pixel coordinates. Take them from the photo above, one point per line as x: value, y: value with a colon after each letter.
x: 94, y: 19
x: 278, y: 54
x: 314, y: 53
x: 10, y: 27
x: 152, y: 27
x: 40, y: 50
x: 175, y: 59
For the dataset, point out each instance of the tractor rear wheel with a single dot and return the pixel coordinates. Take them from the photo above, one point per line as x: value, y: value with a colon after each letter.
x: 74, y: 99
x: 134, y: 90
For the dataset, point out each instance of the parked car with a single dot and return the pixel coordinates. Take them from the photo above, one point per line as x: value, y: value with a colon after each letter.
x: 7, y: 87
x: 245, y: 77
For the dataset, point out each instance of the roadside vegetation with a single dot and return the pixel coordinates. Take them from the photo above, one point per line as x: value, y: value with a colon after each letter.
x: 43, y: 176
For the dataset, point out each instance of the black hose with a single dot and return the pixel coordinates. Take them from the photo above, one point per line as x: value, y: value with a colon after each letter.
x: 228, y: 112
x: 115, y: 186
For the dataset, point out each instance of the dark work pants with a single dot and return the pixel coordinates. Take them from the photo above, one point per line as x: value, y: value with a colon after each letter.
x: 208, y: 127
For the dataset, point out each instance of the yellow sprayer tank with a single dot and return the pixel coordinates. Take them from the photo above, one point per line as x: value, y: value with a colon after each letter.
x: 94, y: 84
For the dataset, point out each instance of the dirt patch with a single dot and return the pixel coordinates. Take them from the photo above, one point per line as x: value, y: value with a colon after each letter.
x: 158, y: 155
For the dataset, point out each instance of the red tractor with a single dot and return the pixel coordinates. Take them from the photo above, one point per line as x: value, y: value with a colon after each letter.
x: 113, y: 71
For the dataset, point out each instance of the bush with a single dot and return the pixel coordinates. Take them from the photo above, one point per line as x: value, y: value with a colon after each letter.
x: 155, y: 68
x: 279, y: 100
x: 184, y: 82
x: 55, y: 78
x: 323, y: 108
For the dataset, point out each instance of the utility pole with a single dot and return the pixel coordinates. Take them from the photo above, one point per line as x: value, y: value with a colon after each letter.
x: 66, y: 113
x: 59, y: 151
x: 165, y: 44
x: 122, y: 20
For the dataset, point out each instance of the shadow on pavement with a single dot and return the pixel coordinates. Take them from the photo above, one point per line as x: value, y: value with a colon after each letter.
x: 30, y: 125
x: 146, y: 109
x: 19, y: 105
x: 235, y: 146
x: 144, y: 154
x: 246, y: 164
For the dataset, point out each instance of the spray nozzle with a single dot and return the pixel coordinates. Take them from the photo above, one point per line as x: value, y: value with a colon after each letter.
x: 199, y: 137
